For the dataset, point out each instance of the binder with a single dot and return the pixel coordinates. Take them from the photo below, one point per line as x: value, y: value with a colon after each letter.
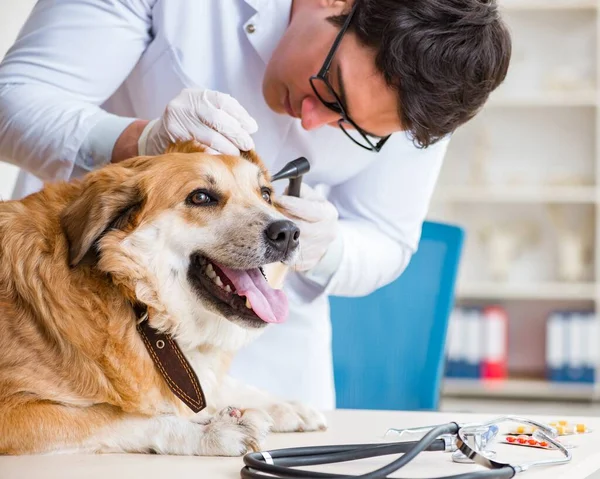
x: 472, y: 325
x: 576, y: 346
x: 453, y: 345
x: 495, y: 343
x: 555, y: 347
x: 591, y: 346
x: 462, y: 369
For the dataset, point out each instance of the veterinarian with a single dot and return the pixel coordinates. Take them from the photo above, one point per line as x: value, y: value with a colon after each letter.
x: 87, y: 83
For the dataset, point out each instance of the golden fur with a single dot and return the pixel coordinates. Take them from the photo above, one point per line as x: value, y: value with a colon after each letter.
x: 72, y: 367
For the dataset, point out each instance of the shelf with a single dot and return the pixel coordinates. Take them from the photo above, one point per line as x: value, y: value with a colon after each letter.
x: 548, y: 99
x: 516, y: 194
x: 545, y: 5
x: 516, y: 389
x: 544, y: 291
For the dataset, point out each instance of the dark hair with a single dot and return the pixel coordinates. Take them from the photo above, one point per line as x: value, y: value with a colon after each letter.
x: 444, y: 57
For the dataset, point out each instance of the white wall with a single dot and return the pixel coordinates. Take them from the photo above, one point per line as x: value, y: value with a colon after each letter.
x: 12, y: 15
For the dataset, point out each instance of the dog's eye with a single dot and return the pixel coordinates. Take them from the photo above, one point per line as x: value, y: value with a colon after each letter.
x: 266, y: 194
x: 200, y: 198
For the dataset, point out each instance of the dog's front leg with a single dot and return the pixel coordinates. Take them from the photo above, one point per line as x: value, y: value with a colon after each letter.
x: 229, y: 432
x: 286, y: 416
x: 41, y: 427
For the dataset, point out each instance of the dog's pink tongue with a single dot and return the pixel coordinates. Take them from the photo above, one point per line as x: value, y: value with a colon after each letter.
x: 271, y: 305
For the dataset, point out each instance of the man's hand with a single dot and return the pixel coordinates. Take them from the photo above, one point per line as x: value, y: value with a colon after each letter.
x: 211, y: 118
x: 317, y: 219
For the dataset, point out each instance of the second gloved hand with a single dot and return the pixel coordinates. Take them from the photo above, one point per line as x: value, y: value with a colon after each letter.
x: 213, y: 119
x: 317, y: 219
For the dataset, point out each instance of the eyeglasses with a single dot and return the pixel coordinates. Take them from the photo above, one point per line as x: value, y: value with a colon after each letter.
x: 328, y: 96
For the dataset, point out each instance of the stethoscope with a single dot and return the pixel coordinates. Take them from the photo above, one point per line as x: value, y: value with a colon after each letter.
x: 467, y: 442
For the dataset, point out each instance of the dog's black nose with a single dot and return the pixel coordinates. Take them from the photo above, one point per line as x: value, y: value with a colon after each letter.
x: 282, y: 235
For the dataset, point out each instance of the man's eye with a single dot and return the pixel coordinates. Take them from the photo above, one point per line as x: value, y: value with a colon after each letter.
x: 200, y: 198
x: 266, y: 194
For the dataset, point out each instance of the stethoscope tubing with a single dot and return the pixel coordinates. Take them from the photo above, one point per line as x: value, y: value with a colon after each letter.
x: 284, y: 459
x: 503, y: 473
x: 316, y: 455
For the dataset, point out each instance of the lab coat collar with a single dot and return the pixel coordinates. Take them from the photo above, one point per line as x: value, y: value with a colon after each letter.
x: 254, y: 3
x: 269, y: 24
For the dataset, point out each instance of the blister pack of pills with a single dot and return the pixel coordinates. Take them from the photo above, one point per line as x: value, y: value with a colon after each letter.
x: 530, y: 441
x: 564, y: 428
x: 525, y: 440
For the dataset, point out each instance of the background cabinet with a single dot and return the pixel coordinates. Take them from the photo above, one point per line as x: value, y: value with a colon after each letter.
x: 522, y: 178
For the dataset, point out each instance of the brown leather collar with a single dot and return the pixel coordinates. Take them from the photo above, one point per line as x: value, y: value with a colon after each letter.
x: 170, y: 362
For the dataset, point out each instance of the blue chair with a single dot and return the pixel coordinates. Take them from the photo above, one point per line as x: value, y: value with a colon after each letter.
x: 388, y: 347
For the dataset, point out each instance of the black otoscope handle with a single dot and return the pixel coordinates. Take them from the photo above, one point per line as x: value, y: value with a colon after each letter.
x: 294, y: 170
x: 294, y: 186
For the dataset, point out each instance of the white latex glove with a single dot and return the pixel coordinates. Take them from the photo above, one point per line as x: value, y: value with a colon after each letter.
x: 211, y: 118
x: 317, y: 219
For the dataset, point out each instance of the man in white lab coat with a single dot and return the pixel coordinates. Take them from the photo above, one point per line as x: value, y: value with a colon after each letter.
x: 85, y: 77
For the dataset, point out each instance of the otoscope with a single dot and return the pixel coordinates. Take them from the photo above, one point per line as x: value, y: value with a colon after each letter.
x: 293, y: 171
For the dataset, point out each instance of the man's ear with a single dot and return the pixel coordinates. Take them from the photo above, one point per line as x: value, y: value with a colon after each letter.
x: 106, y: 202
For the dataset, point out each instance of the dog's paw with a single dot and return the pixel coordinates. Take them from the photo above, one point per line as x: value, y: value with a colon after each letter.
x: 296, y: 417
x: 233, y: 432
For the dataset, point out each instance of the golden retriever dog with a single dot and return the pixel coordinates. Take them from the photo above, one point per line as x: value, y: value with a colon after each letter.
x: 183, y: 234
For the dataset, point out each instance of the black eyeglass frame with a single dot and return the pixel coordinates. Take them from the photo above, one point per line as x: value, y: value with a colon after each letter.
x: 338, y: 105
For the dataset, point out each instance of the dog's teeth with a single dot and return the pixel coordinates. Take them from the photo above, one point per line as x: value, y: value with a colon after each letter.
x: 218, y: 282
x: 248, y: 305
x: 211, y: 273
x: 228, y: 288
x: 209, y: 267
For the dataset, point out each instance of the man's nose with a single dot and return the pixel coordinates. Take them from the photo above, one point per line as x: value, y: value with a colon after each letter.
x: 282, y: 235
x: 315, y: 115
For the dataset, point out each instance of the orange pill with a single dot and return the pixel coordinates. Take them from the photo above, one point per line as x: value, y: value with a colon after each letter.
x: 511, y: 438
x: 521, y: 440
x: 580, y: 428
x: 532, y: 442
x: 543, y: 444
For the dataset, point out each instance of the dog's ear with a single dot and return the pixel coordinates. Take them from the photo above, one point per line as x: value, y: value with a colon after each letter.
x: 253, y: 157
x: 106, y: 202
x: 189, y: 146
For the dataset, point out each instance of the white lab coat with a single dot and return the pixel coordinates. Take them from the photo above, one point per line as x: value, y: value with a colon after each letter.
x: 78, y: 62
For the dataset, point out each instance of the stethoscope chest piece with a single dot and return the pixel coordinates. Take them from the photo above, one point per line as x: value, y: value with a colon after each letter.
x: 468, y: 444
x: 479, y: 438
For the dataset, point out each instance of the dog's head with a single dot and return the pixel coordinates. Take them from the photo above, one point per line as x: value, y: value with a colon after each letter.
x: 187, y: 233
